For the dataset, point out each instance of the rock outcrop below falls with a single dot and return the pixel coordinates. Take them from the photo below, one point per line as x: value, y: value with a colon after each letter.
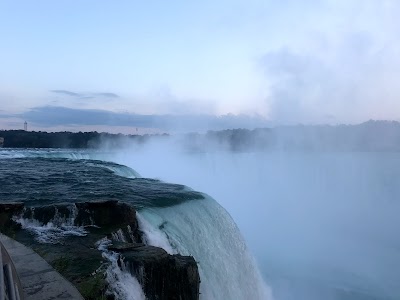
x: 162, y: 276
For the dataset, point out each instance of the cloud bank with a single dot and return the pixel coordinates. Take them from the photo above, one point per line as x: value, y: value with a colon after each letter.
x: 52, y: 116
x: 85, y: 95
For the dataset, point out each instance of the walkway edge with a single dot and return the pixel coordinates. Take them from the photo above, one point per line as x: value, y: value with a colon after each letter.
x: 38, y: 279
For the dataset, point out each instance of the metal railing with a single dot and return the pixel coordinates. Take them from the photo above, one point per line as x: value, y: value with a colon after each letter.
x: 10, y: 286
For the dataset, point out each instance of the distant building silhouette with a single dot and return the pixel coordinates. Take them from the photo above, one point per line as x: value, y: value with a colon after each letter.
x: 26, y: 126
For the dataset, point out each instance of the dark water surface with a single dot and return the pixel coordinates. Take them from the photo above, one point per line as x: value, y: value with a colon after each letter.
x: 40, y: 181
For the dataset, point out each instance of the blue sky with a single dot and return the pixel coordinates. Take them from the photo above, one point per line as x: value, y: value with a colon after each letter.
x: 285, y: 62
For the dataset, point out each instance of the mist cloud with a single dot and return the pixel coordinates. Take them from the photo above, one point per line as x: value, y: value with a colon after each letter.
x: 356, y: 84
x: 342, y: 73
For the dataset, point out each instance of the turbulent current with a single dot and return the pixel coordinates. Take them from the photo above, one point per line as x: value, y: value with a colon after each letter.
x: 171, y: 216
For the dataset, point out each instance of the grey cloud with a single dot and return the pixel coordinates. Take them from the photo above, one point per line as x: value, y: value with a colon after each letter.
x: 85, y: 95
x: 67, y: 93
x: 56, y: 115
x: 108, y: 95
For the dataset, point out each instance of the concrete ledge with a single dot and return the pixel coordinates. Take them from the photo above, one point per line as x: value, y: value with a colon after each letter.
x: 38, y: 279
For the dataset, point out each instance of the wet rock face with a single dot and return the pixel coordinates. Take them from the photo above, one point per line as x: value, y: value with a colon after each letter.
x: 106, y: 213
x: 7, y: 211
x: 112, y: 214
x: 12, y: 207
x: 124, y: 247
x: 163, y: 276
x: 109, y: 215
x: 47, y: 213
x: 101, y: 213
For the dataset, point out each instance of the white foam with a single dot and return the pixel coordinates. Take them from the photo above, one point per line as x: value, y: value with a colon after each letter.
x: 119, y: 236
x: 7, y: 154
x: 153, y: 236
x: 50, y: 233
x: 55, y: 230
x: 123, y: 285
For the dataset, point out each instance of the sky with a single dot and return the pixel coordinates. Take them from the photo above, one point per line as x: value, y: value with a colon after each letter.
x: 194, y: 65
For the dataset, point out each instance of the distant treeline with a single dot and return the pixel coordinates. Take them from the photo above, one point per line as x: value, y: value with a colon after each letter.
x: 368, y: 136
x: 40, y: 139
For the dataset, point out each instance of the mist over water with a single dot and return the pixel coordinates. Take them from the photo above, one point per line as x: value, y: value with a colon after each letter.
x: 321, y: 225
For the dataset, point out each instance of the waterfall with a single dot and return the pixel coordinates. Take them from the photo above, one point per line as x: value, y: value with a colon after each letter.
x: 204, y: 230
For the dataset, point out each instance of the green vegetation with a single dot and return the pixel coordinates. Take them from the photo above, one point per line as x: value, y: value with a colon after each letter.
x: 93, y: 288
x: 61, y: 263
